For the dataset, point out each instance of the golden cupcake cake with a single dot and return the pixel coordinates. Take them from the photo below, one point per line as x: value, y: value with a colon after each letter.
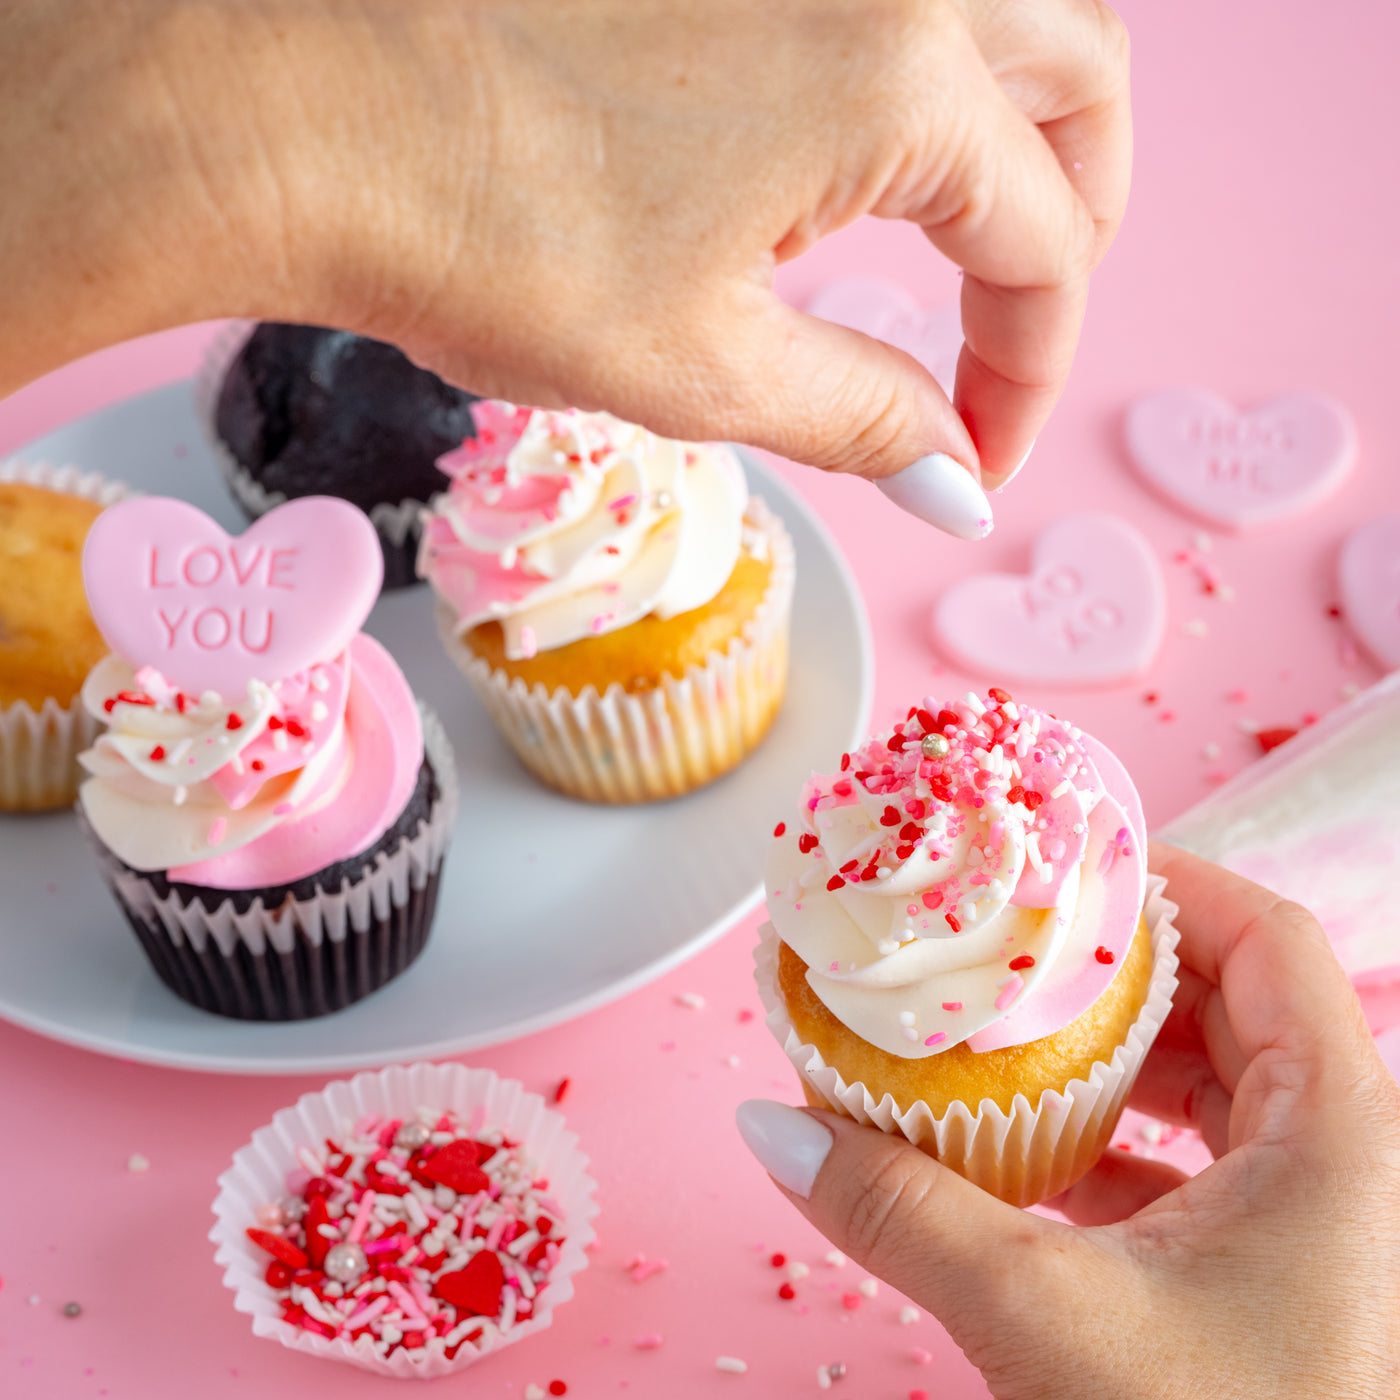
x: 48, y: 640
x: 965, y: 946
x: 618, y: 600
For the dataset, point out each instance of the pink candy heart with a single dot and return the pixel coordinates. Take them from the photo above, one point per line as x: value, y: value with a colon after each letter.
x: 1369, y: 570
x: 1240, y: 469
x: 1091, y: 611
x: 209, y: 611
x: 883, y: 309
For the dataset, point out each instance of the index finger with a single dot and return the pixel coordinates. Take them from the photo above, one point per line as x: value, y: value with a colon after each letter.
x: 1280, y: 980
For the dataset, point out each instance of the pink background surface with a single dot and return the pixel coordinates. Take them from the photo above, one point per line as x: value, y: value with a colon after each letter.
x: 1258, y: 256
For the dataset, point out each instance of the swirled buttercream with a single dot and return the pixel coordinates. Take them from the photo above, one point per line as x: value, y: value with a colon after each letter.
x: 562, y: 525
x: 975, y: 875
x: 258, y: 790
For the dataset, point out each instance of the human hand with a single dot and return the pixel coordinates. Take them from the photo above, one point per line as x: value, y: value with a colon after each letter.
x: 583, y: 201
x: 1274, y: 1272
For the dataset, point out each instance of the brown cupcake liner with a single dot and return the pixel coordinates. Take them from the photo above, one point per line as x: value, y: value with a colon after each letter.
x: 658, y: 743
x: 306, y: 957
x: 39, y: 748
x: 1035, y: 1151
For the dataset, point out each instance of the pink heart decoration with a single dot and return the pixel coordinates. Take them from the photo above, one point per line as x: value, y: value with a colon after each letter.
x: 1090, y: 612
x: 1238, y: 469
x: 883, y: 309
x: 1369, y: 570
x: 209, y: 611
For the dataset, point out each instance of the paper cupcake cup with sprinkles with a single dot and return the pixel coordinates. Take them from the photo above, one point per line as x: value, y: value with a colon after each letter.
x: 397, y: 523
x: 408, y: 1221
x: 39, y: 746
x: 662, y: 741
x: 1035, y: 1151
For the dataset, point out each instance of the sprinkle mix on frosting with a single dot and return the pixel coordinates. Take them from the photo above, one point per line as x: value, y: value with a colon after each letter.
x: 974, y: 875
x: 563, y: 525
x: 425, y: 1234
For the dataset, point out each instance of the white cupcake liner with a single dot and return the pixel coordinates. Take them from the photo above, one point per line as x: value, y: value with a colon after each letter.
x: 1033, y: 1152
x: 397, y: 522
x: 259, y: 1170
x: 658, y: 743
x: 39, y: 748
x: 257, y: 965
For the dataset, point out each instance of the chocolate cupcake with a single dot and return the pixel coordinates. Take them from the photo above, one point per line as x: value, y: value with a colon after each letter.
x: 270, y: 806
x: 305, y: 411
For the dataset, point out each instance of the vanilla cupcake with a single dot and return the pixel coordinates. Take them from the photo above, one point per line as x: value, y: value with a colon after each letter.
x: 269, y: 804
x: 965, y: 946
x: 617, y: 599
x: 48, y: 639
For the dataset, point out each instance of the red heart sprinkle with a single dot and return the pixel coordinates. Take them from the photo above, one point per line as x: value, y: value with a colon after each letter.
x: 889, y: 817
x: 234, y: 721
x: 910, y: 831
x: 1269, y: 739
x: 455, y: 1165
x: 1034, y: 799
x: 1103, y: 954
x: 806, y: 842
x: 157, y: 753
x: 947, y: 717
x: 928, y: 722
x: 835, y: 883
x: 281, y: 1248
x: 476, y: 1288
x: 999, y: 695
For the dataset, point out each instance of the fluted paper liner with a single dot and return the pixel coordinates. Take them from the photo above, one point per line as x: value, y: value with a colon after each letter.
x: 290, y: 962
x: 1032, y: 1153
x: 39, y: 748
x: 662, y: 742
x: 259, y: 1170
x: 396, y: 522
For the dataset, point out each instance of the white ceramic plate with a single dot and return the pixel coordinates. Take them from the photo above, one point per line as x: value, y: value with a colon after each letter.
x: 548, y: 907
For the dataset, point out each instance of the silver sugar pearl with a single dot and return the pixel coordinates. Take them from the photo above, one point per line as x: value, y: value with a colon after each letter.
x: 345, y: 1262
x: 935, y: 746
x: 837, y: 1369
x: 72, y: 1310
x: 412, y: 1136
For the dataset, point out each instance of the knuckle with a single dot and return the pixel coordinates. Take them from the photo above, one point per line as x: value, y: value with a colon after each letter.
x: 1115, y: 45
x: 893, y: 1191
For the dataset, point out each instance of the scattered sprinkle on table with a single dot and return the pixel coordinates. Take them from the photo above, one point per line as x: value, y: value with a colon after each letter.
x: 908, y: 1314
x: 137, y: 1163
x: 732, y: 1364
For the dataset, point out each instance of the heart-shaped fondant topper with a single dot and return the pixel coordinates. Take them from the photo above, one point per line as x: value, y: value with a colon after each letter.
x: 1238, y: 469
x: 883, y: 309
x: 169, y: 588
x: 1090, y: 612
x: 1369, y: 571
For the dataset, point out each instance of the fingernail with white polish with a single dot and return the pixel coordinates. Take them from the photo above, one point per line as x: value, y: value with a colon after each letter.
x: 1016, y: 470
x: 943, y: 493
x: 789, y: 1144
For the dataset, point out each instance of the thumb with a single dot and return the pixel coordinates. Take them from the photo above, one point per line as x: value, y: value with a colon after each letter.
x: 1002, y: 1281
x: 833, y: 398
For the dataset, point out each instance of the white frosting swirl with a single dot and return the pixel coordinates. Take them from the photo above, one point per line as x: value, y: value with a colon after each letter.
x: 563, y: 525
x: 966, y: 877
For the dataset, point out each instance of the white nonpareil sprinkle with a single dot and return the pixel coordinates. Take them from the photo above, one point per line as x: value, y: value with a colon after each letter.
x: 534, y: 1392
x: 137, y: 1163
x: 886, y: 946
x: 907, y: 1018
x: 797, y: 1271
x: 318, y: 711
x: 732, y: 1364
x: 1061, y: 788
x: 1211, y: 751
x: 835, y: 1259
x: 908, y: 1314
x: 1151, y: 1131
x: 823, y: 1378
x: 1194, y: 627
x: 691, y: 999
x: 910, y: 1034
x: 867, y: 1288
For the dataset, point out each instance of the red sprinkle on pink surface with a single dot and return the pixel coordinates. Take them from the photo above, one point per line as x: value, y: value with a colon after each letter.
x: 561, y: 1089
x: 1269, y: 739
x: 1102, y: 954
x: 850, y: 1301
x: 777, y: 1260
x: 786, y: 1292
x: 780, y: 829
x: 235, y: 721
